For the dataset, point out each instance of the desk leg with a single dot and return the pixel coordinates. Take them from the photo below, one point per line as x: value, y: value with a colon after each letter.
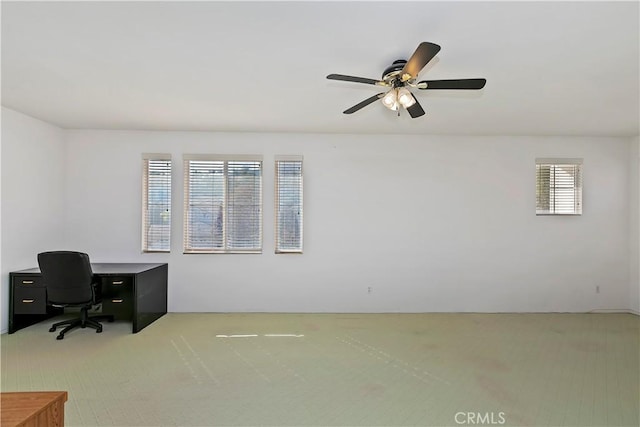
x: 150, y: 295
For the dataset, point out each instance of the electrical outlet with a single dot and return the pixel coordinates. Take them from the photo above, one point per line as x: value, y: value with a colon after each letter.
x: 597, y: 289
x: 369, y: 289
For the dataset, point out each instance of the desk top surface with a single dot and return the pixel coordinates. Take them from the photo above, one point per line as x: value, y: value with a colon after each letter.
x: 106, y: 268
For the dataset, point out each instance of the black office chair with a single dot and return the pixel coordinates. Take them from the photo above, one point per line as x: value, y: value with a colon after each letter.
x: 69, y: 281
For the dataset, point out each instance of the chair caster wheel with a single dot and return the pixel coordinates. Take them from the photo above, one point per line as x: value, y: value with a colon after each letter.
x: 52, y: 329
x: 59, y: 337
x: 98, y: 330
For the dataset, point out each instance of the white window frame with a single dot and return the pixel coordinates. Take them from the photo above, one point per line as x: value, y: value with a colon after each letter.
x: 571, y: 188
x: 146, y: 158
x: 279, y: 249
x: 225, y: 159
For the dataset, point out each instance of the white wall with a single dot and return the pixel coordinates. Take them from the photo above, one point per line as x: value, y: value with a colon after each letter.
x: 33, y: 211
x: 3, y: 295
x: 430, y: 223
x: 634, y: 264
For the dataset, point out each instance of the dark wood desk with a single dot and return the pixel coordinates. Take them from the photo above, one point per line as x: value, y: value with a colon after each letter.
x: 133, y: 292
x: 33, y: 408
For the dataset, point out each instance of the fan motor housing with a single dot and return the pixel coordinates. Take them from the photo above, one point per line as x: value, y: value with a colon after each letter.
x: 394, y: 69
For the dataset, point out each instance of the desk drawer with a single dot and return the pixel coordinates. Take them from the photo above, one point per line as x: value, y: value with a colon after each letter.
x: 117, y: 285
x: 29, y: 300
x: 120, y: 307
x: 117, y: 297
x: 28, y: 282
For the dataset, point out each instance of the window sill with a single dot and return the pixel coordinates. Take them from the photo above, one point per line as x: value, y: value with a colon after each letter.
x: 209, y: 252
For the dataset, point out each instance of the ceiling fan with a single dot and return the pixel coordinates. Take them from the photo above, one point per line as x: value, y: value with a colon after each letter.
x: 402, y: 74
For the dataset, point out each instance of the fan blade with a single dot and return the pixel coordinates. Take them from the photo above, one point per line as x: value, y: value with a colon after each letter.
x: 355, y: 79
x: 363, y: 104
x: 453, y: 84
x: 423, y: 54
x: 416, y: 109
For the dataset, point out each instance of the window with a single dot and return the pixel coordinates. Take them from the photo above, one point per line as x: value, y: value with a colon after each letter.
x: 288, y: 194
x: 558, y: 186
x: 223, y: 204
x: 156, y: 203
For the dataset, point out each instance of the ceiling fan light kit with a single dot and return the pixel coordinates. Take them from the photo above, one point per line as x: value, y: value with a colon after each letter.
x: 403, y: 73
x: 396, y: 97
x: 405, y: 98
x: 390, y: 100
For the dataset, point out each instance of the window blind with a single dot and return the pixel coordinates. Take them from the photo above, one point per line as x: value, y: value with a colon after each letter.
x: 223, y: 206
x: 156, y: 206
x: 558, y: 186
x: 288, y: 203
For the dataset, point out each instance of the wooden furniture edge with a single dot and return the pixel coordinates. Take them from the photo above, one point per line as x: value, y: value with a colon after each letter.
x: 38, y: 402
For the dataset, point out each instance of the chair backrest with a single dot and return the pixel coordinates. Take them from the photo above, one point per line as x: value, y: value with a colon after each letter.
x: 67, y: 276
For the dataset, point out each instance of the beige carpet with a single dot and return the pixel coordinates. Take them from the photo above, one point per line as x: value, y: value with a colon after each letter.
x: 339, y: 370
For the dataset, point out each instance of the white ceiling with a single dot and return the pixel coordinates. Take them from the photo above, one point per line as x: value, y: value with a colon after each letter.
x: 552, y: 68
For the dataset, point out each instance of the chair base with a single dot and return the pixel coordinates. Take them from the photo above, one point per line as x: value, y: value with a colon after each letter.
x: 82, y: 322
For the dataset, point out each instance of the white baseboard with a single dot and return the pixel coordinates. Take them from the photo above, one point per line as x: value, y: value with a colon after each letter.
x: 615, y: 310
